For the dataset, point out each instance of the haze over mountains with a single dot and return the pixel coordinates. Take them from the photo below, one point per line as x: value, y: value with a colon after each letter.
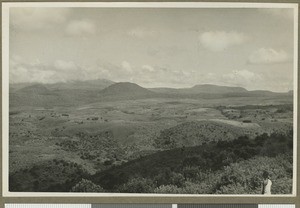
x: 80, y: 92
x: 205, y: 88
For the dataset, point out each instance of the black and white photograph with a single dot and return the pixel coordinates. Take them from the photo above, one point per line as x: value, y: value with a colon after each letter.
x: 149, y: 98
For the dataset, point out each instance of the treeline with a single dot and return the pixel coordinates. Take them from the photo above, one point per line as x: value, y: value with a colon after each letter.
x: 218, y: 167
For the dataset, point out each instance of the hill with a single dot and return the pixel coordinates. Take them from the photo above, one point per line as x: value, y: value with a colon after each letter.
x: 215, y: 89
x: 37, y: 89
x: 95, y: 85
x: 83, y: 92
x: 201, y: 89
x: 208, y: 91
x: 198, y: 132
x: 58, y: 94
x: 126, y: 90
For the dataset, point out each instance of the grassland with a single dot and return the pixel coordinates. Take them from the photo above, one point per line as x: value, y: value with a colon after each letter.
x: 94, y: 139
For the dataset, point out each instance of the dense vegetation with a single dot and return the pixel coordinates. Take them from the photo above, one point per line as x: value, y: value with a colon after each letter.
x: 223, y: 167
x: 87, y: 146
x: 54, y: 175
x: 100, y: 136
x: 177, y: 166
x: 196, y: 133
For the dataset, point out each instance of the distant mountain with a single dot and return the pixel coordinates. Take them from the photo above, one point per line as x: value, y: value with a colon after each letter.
x: 75, y: 93
x: 17, y: 86
x: 37, y: 89
x: 58, y: 94
x: 126, y: 90
x: 34, y: 95
x: 208, y: 88
x: 97, y: 84
x: 209, y: 91
x: 200, y: 89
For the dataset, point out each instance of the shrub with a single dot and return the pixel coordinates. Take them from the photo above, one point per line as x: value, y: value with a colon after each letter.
x: 137, y: 185
x: 246, y: 176
x: 86, y: 186
x: 168, y: 189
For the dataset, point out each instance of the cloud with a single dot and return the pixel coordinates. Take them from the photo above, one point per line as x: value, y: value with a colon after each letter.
x: 126, y: 66
x: 81, y: 28
x: 59, y: 71
x: 31, y: 19
x: 287, y: 13
x: 148, y: 68
x: 142, y: 33
x: 268, y: 56
x: 20, y: 71
x: 220, y: 40
x: 242, y: 78
x: 64, y: 65
x: 145, y: 74
x: 154, y: 76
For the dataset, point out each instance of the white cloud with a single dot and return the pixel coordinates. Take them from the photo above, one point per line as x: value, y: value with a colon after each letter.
x: 22, y: 72
x: 81, y: 28
x: 243, y: 78
x: 127, y: 67
x: 64, y: 65
x: 28, y: 19
x: 59, y: 71
x: 142, y: 33
x: 220, y: 40
x: 148, y: 68
x: 268, y: 56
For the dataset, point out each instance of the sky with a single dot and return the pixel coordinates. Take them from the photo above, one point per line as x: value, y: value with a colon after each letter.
x: 154, y: 47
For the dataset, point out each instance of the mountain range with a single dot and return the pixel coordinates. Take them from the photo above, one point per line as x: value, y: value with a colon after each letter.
x: 81, y: 92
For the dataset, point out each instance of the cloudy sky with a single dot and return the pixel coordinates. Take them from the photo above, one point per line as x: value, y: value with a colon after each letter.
x: 251, y: 48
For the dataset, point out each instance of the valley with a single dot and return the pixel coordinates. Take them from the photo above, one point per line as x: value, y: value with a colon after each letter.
x: 112, y: 131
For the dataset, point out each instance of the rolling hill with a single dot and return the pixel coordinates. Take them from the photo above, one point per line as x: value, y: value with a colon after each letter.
x: 36, y: 89
x: 201, y: 89
x: 126, y: 90
x: 198, y: 132
x: 90, y: 85
x: 83, y: 92
x: 215, y: 89
x: 58, y: 94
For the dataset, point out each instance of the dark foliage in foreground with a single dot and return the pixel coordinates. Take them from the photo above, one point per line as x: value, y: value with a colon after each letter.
x: 50, y: 176
x: 164, y: 167
x: 216, y: 167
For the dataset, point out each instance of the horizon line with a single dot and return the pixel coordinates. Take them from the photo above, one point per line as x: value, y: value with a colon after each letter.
x: 115, y: 82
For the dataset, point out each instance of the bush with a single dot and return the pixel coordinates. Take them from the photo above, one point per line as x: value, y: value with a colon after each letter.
x: 137, y: 185
x: 168, y: 189
x: 246, y: 177
x: 86, y: 186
